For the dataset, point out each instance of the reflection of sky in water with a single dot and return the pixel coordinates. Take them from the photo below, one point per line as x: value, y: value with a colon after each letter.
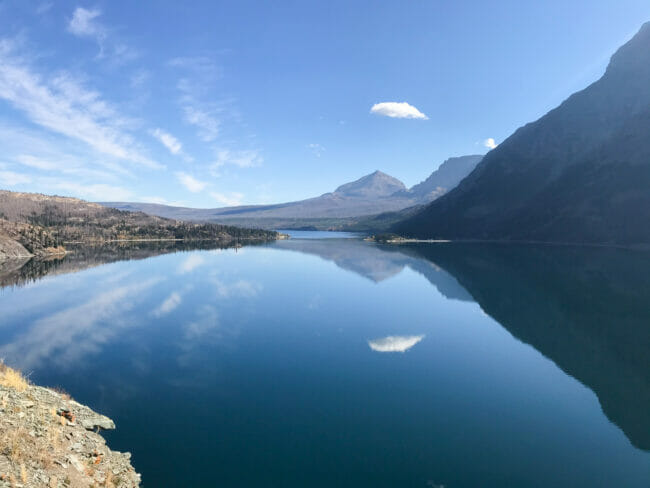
x: 262, y: 363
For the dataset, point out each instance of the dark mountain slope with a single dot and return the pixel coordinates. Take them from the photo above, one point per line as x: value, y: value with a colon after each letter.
x: 578, y: 174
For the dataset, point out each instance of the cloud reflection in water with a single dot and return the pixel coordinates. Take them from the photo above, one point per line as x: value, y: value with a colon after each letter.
x: 394, y: 343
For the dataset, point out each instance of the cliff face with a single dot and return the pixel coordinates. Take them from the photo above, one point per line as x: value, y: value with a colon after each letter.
x: 49, y: 440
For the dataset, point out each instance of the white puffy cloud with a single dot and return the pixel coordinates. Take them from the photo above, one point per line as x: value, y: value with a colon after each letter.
x: 169, y: 141
x: 490, y: 143
x: 191, y: 183
x: 394, y: 343
x: 229, y: 200
x: 399, y: 110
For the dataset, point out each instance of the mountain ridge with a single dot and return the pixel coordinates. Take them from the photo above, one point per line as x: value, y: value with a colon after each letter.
x: 372, y: 194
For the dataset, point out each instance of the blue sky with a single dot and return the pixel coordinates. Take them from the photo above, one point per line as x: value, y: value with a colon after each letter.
x: 236, y: 102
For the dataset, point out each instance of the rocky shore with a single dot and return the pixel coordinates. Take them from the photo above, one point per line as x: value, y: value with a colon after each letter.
x: 49, y: 440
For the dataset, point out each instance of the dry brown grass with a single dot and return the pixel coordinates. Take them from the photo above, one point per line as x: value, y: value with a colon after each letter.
x: 17, y: 444
x: 23, y: 449
x: 10, y: 378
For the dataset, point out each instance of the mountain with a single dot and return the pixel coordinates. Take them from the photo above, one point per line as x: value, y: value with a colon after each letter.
x: 579, y: 174
x: 446, y: 177
x: 375, y: 185
x: 35, y: 224
x: 373, y: 194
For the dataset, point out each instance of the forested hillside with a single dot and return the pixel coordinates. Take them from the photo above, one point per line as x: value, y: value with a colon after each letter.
x: 43, y: 224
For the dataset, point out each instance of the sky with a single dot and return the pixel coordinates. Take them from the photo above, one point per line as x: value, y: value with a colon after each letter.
x: 241, y: 102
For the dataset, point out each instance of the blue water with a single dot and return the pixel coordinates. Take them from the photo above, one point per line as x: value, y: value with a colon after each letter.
x: 319, y: 234
x: 338, y: 362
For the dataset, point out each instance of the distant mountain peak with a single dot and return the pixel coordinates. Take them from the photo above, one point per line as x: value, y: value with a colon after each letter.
x: 377, y: 184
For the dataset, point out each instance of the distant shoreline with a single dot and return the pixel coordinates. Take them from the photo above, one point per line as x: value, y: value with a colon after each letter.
x: 404, y: 240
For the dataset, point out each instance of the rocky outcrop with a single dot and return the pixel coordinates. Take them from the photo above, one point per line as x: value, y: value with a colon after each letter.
x: 11, y: 249
x: 49, y: 440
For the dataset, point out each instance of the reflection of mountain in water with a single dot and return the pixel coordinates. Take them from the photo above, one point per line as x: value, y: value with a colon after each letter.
x: 584, y: 308
x: 18, y: 272
x: 376, y: 262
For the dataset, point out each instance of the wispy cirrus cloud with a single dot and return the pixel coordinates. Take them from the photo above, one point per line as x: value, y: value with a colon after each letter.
x: 241, y: 159
x: 88, y: 326
x: 316, y: 149
x: 190, y: 182
x: 204, y: 120
x: 64, y: 106
x: 44, y: 7
x: 239, y: 288
x: 83, y: 23
x: 398, y: 110
x: 191, y: 263
x: 98, y: 192
x: 53, y: 154
x: 11, y: 178
x: 172, y: 144
x: 231, y: 199
x: 199, y: 75
x: 168, y: 305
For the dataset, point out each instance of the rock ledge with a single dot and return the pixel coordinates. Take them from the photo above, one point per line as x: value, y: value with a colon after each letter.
x: 49, y: 440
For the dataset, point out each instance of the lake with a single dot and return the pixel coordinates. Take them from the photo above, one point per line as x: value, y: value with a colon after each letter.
x: 319, y: 362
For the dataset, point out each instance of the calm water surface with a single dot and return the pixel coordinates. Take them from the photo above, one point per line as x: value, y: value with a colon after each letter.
x: 336, y: 362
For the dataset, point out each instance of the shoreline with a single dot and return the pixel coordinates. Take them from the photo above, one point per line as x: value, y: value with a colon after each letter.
x: 635, y: 247
x: 62, y: 252
x: 49, y: 440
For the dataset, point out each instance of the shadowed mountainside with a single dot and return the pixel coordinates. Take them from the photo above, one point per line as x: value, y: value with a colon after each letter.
x: 579, y: 174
